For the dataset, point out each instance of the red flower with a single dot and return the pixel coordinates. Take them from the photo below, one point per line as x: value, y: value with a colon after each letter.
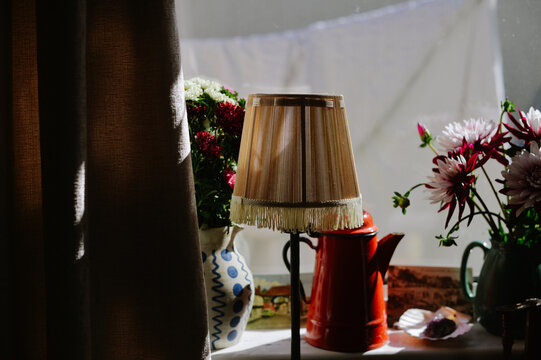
x: 207, y: 144
x: 527, y: 129
x: 483, y: 151
x: 424, y: 135
x: 195, y: 112
x: 475, y: 136
x: 230, y: 177
x: 230, y: 118
x: 494, y: 148
x: 451, y: 183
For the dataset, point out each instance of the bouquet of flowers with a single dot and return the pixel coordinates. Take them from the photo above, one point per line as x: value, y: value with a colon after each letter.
x: 215, y: 118
x: 464, y: 150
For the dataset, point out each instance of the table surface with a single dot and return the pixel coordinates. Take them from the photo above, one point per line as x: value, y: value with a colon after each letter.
x: 275, y: 344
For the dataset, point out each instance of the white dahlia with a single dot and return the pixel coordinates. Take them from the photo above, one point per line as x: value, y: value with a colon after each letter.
x: 523, y: 179
x: 472, y: 130
x: 451, y: 184
x: 533, y: 117
x: 449, y: 175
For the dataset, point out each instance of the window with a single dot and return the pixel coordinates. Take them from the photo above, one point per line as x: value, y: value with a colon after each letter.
x: 396, y: 63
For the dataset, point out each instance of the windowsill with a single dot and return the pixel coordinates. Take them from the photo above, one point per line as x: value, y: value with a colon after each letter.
x: 275, y: 344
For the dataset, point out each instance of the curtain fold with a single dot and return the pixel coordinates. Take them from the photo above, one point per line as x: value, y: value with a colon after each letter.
x: 97, y: 193
x: 61, y: 75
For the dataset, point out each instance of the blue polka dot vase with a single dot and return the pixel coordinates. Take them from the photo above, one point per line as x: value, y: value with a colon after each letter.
x: 229, y: 284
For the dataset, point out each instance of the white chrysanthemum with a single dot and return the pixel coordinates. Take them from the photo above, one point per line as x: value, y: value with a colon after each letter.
x: 472, y: 130
x: 523, y: 179
x: 195, y: 87
x: 219, y: 97
x: 192, y: 83
x: 442, y: 182
x: 207, y: 84
x: 533, y: 117
x: 193, y: 93
x: 202, y: 84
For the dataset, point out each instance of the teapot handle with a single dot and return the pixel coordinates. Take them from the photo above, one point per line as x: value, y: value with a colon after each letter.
x: 464, y: 267
x: 288, y: 265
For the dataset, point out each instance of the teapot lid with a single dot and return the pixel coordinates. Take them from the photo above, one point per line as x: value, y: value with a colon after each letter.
x: 367, y: 228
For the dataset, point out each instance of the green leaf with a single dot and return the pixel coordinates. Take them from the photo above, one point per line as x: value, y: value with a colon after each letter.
x: 447, y: 241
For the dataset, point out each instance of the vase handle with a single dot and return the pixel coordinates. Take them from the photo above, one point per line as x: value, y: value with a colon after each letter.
x: 464, y: 267
x: 235, y: 229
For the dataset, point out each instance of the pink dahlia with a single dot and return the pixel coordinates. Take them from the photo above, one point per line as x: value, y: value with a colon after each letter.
x: 523, y: 180
x: 451, y: 183
x: 230, y: 177
x: 230, y: 118
x: 207, y: 144
x: 470, y: 131
x: 476, y: 135
x: 528, y: 128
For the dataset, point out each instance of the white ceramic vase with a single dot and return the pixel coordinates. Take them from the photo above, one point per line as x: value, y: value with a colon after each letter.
x: 229, y: 284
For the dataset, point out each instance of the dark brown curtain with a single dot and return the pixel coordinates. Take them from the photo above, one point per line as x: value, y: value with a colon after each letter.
x: 99, y: 246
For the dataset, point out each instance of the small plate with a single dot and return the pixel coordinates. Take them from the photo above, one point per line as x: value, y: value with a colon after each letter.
x: 414, y: 322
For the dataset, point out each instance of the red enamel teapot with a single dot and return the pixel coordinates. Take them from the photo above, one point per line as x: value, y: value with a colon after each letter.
x: 347, y: 310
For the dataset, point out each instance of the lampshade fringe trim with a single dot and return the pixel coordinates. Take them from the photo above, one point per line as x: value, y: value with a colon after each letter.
x: 343, y: 214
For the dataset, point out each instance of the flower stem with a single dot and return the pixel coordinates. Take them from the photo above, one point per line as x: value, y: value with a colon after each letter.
x: 488, y: 218
x: 495, y: 192
x: 432, y: 148
x: 413, y: 188
x: 481, y: 212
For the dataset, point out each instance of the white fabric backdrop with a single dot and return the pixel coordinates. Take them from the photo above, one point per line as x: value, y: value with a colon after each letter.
x: 433, y: 61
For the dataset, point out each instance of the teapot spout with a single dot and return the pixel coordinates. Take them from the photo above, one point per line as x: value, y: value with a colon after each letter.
x: 386, y: 248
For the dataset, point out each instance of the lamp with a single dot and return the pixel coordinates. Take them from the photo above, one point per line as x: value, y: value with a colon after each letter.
x: 296, y: 173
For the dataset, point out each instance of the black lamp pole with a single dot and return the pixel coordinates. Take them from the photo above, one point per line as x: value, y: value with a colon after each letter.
x: 295, y: 298
x: 295, y: 239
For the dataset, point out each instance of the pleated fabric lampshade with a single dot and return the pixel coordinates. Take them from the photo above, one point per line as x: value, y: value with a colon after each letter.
x: 296, y: 171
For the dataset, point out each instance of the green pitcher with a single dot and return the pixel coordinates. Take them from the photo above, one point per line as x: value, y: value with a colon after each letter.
x: 510, y: 274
